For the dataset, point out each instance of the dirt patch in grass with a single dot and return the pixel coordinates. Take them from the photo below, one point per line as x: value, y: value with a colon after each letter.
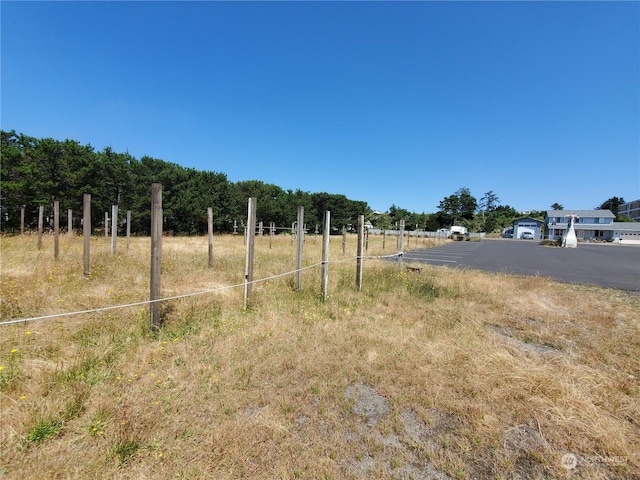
x: 525, y: 345
x: 407, y: 452
x: 394, y: 455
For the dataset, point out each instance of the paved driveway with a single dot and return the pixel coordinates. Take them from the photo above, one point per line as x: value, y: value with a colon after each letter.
x: 605, y: 265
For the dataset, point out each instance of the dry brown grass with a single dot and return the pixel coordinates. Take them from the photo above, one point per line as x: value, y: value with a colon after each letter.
x: 434, y: 373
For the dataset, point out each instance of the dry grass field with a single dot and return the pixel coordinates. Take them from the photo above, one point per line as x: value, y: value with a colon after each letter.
x: 427, y: 373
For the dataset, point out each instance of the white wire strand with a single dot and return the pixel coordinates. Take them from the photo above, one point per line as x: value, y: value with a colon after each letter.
x: 176, y: 297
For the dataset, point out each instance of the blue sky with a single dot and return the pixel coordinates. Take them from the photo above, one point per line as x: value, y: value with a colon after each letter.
x: 388, y: 102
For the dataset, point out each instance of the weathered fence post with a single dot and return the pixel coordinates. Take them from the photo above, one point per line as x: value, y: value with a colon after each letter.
x: 128, y: 228
x: 86, y: 230
x: 69, y: 222
x: 384, y: 237
x: 272, y: 229
x: 250, y: 237
x: 260, y: 228
x: 156, y: 255
x: 56, y: 229
x: 400, y: 244
x: 325, y: 254
x: 22, y: 220
x: 210, y: 231
x: 114, y: 228
x: 344, y: 240
x: 359, y: 253
x: 300, y: 233
x: 40, y: 225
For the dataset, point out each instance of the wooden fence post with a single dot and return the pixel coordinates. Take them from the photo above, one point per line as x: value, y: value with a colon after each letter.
x: 250, y: 236
x: 344, y: 240
x: 86, y: 231
x: 56, y: 229
x: 272, y: 229
x: 210, y: 231
x: 384, y: 237
x: 400, y: 244
x: 300, y: 234
x: 21, y: 220
x: 326, y: 229
x: 156, y: 254
x: 128, y: 228
x: 114, y: 228
x: 69, y: 222
x: 40, y: 225
x: 359, y: 253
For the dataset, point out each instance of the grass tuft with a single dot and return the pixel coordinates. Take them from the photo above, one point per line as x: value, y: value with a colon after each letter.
x: 125, y: 450
x: 44, y: 429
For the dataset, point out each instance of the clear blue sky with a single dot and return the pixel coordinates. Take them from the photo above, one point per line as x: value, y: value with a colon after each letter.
x: 390, y: 103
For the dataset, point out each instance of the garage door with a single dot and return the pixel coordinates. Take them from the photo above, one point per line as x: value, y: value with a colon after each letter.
x: 630, y: 237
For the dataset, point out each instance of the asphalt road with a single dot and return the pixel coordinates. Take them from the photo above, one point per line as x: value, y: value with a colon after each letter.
x: 605, y: 265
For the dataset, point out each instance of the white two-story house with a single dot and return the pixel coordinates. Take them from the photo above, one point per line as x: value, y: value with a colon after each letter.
x: 589, y: 224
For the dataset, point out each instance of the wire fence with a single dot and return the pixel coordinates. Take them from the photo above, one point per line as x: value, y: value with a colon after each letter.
x: 187, y: 295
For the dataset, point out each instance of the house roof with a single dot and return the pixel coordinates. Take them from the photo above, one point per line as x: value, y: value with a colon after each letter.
x: 581, y: 213
x: 626, y: 226
x: 527, y: 219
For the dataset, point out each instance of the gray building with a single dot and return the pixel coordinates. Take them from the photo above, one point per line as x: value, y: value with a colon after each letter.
x: 631, y: 210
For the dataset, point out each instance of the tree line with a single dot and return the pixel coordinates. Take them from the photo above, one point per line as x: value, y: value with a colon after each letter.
x: 35, y: 172
x: 459, y: 208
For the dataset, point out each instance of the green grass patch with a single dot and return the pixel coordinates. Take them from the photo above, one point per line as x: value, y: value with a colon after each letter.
x: 43, y: 430
x: 125, y: 450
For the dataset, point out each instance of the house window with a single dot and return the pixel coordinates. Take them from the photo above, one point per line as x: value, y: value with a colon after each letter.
x: 596, y: 220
